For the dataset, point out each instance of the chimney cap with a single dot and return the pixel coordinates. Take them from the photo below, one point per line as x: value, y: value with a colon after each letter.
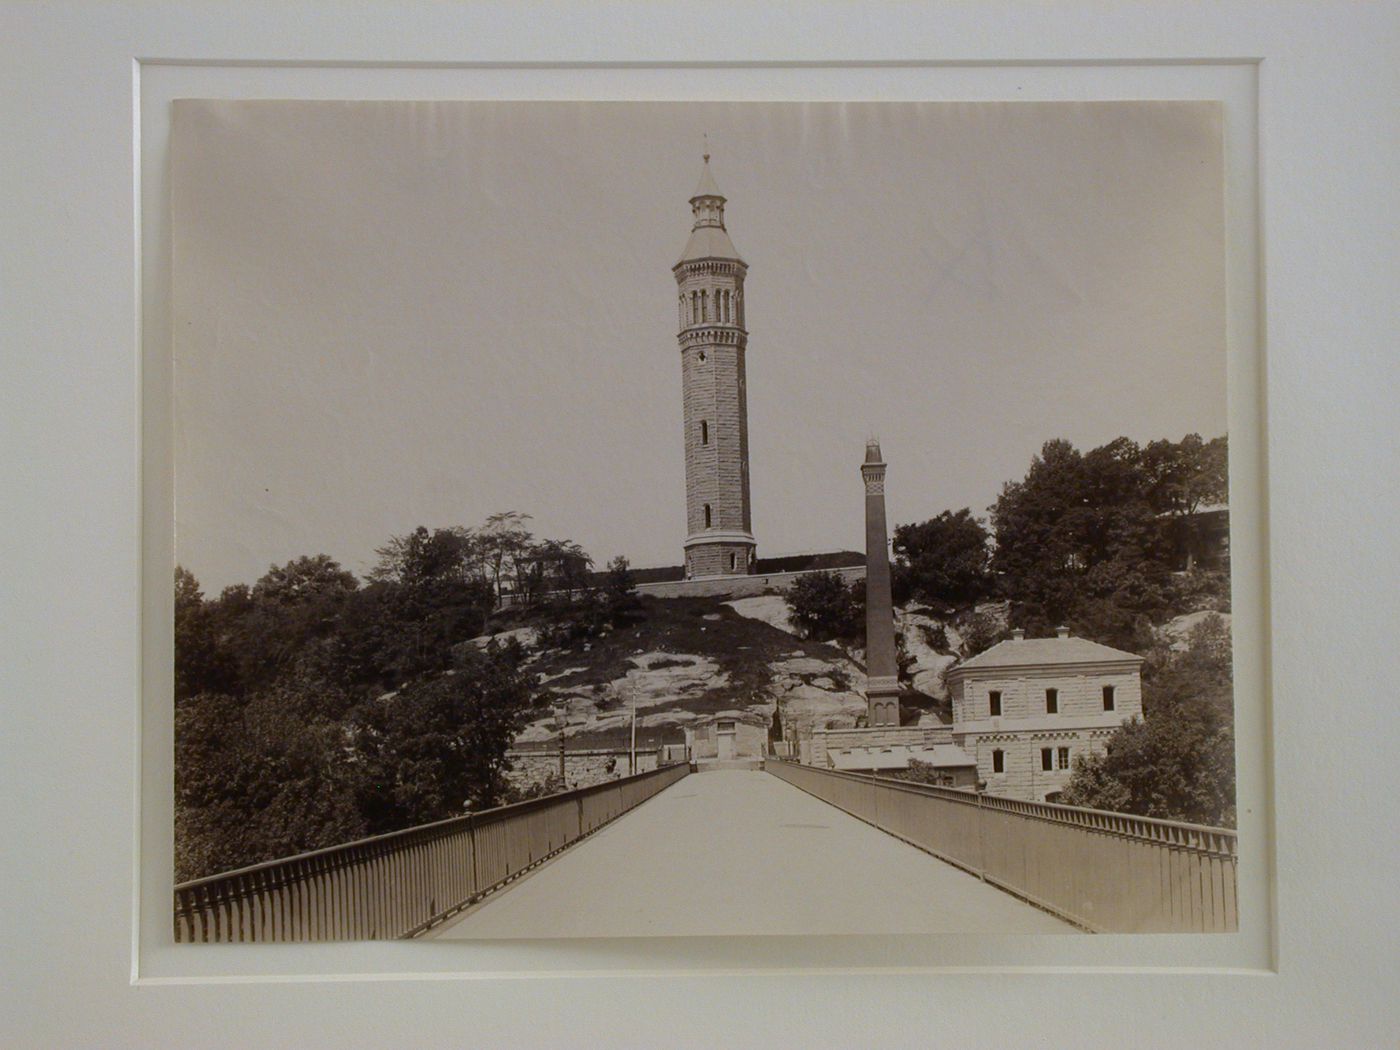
x: 1062, y: 631
x: 1018, y: 633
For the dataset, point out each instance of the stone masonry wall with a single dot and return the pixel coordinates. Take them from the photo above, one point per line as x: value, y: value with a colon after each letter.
x: 580, y: 770
x: 1025, y: 728
x: 715, y: 412
x: 1023, y: 775
x: 1023, y: 696
x: 739, y: 586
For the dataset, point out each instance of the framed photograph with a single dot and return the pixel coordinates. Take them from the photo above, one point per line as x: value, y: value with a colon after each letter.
x: 414, y: 734
x: 528, y: 625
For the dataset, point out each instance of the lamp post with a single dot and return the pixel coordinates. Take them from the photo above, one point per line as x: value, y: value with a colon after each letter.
x: 559, y: 724
x: 632, y: 757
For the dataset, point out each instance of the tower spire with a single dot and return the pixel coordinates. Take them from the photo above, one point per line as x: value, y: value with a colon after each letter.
x: 710, y: 304
x: 707, y: 203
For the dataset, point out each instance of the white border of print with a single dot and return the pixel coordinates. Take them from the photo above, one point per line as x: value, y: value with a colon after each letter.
x: 87, y: 965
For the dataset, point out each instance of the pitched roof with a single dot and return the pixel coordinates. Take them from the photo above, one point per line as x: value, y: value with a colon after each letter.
x: 897, y: 756
x: 709, y: 242
x: 707, y: 187
x: 1026, y: 652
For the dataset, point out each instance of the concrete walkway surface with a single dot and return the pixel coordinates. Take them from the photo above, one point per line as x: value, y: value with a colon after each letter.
x: 742, y: 852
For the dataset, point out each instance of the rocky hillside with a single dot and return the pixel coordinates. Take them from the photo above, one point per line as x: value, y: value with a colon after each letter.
x: 690, y: 658
x: 686, y: 659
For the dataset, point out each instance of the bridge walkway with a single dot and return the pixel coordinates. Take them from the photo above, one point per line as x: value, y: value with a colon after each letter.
x: 739, y: 851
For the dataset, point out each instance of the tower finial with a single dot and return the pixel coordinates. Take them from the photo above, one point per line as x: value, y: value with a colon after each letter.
x: 706, y: 137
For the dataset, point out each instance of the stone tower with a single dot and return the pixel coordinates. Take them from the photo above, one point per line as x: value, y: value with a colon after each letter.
x: 882, y: 672
x: 710, y: 300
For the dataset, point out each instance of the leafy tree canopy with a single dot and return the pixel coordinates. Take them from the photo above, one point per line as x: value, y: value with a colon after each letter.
x: 947, y: 558
x: 1178, y: 761
x: 311, y: 710
x: 437, y: 746
x: 824, y: 607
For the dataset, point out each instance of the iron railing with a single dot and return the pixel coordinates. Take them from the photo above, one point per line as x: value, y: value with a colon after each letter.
x: 1106, y: 872
x: 403, y: 883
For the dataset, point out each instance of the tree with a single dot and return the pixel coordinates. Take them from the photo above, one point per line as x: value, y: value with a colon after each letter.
x: 439, y: 744
x: 303, y: 581
x: 1178, y: 761
x: 427, y: 596
x: 504, y: 542
x: 1185, y: 475
x: 261, y: 630
x: 557, y: 567
x: 423, y: 555
x: 824, y: 607
x: 199, y: 665
x: 620, y: 589
x: 980, y: 633
x: 1082, y: 540
x: 259, y: 778
x: 947, y: 558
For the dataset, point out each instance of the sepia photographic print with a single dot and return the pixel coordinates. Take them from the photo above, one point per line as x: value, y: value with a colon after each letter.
x: 639, y: 519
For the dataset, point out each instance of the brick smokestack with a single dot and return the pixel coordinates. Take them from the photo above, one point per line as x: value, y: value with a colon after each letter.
x: 882, y: 672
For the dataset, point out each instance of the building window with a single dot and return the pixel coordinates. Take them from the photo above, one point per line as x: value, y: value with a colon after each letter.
x: 704, y: 432
x: 1108, y: 698
x: 704, y: 306
x: 1062, y: 758
x: 1052, y: 703
x: 994, y: 702
x: 1047, y: 758
x: 707, y: 515
x: 733, y: 561
x: 998, y: 761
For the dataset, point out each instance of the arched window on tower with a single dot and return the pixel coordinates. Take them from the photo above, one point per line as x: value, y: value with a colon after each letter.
x: 728, y: 307
x: 704, y: 305
x: 707, y: 515
x: 680, y: 308
x: 694, y: 307
x: 704, y: 432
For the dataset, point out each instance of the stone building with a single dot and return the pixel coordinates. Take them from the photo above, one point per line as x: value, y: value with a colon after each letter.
x: 1027, y: 707
x: 727, y: 738
x: 710, y: 305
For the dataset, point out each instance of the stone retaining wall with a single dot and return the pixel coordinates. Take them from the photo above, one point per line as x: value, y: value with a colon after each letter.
x: 739, y: 586
x: 580, y: 769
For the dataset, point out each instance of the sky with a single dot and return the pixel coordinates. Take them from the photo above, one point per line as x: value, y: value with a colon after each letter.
x: 392, y: 314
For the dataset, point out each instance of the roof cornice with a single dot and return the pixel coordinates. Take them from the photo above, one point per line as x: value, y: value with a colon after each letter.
x: 1129, y: 663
